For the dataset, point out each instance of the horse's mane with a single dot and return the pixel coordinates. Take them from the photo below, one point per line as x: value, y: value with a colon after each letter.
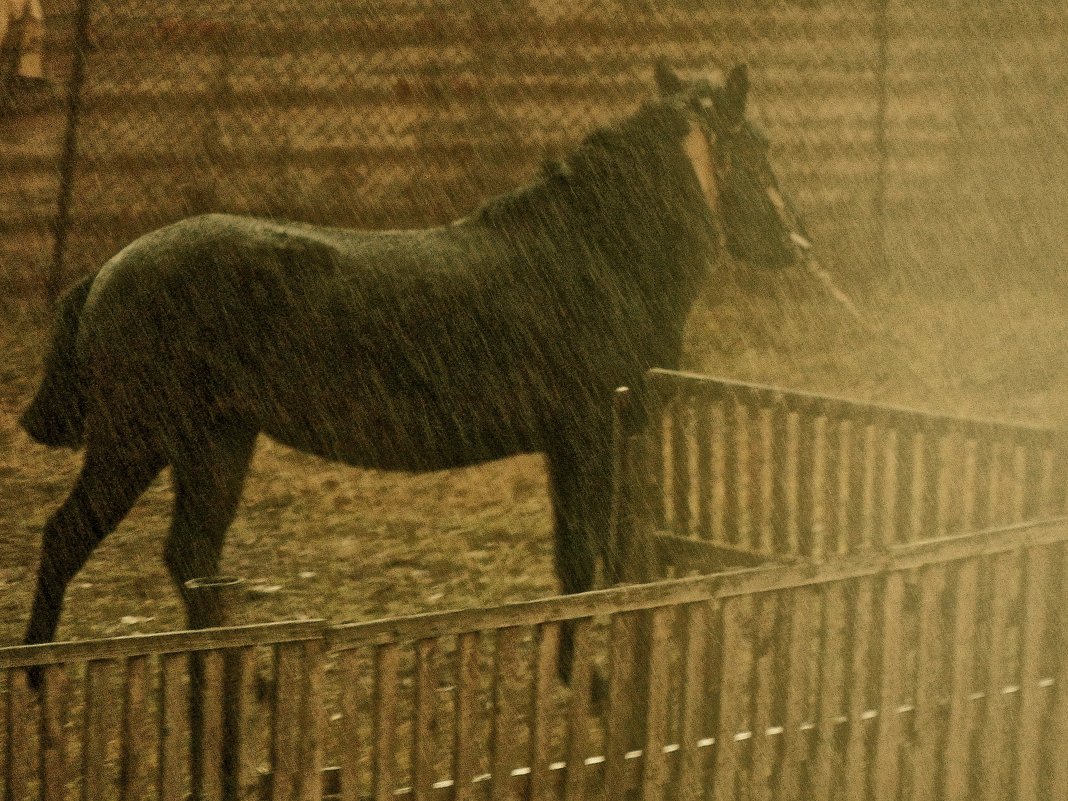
x: 626, y: 149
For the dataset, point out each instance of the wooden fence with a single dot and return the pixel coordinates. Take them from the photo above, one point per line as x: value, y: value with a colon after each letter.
x: 734, y: 473
x: 930, y: 670
x: 900, y: 656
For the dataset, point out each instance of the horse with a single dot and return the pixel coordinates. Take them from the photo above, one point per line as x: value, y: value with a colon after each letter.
x: 501, y: 333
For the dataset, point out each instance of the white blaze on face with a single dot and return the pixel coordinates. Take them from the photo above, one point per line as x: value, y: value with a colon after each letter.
x: 699, y: 151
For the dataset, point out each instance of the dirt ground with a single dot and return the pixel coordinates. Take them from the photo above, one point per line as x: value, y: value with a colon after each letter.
x: 314, y: 539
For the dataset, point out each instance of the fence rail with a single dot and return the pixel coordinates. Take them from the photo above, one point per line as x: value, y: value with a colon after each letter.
x: 940, y: 667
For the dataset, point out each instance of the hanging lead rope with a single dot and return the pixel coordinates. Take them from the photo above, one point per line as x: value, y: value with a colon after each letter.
x: 805, y: 252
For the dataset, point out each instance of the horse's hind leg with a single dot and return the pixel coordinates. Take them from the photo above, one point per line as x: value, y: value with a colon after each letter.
x: 111, y: 480
x: 209, y: 474
x: 581, y: 500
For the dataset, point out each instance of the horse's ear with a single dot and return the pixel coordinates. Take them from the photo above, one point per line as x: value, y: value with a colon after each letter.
x: 666, y: 80
x: 735, y: 93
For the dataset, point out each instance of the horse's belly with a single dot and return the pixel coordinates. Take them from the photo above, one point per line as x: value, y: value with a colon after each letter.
x: 404, y: 434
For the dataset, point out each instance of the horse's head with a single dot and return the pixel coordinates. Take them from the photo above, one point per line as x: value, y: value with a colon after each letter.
x: 730, y: 157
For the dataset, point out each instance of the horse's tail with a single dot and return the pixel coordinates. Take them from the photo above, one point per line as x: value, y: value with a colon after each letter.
x: 56, y: 415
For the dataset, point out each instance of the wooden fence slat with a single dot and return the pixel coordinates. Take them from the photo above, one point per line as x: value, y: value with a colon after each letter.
x: 946, y: 495
x: 133, y: 776
x: 1060, y: 489
x: 764, y: 696
x: 998, y: 506
x: 694, y: 702
x: 1044, y: 495
x: 718, y: 475
x: 764, y: 520
x: 703, y: 433
x: 240, y: 703
x: 784, y: 497
x: 802, y: 626
x: 208, y: 784
x: 868, y: 489
x: 464, y: 753
x: 927, y: 721
x: 886, y: 493
x: 1058, y: 735
x: 579, y: 712
x: 680, y: 472
x: 810, y: 465
x: 313, y: 728
x: 736, y: 472
x: 839, y: 473
x: 546, y: 642
x: 970, y: 484
x: 905, y: 486
x: 888, y: 732
x: 505, y: 743
x: 655, y: 767
x: 1045, y: 461
x: 736, y: 616
x: 53, y: 762
x: 287, y: 703
x: 5, y: 735
x: 1032, y: 697
x: 831, y: 689
x: 852, y: 534
x: 18, y: 740
x: 349, y: 744
x: 173, y: 710
x: 996, y: 718
x: 856, y: 760
x: 658, y: 463
x: 423, y: 745
x: 1020, y: 488
x: 959, y: 726
x: 95, y: 727
x: 986, y: 474
x: 387, y: 660
x: 930, y: 518
x: 624, y: 673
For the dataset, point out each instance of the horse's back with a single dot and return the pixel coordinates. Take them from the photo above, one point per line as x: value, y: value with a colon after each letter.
x: 358, y: 345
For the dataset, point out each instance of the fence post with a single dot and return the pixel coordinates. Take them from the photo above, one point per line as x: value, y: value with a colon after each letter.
x: 68, y: 162
x: 219, y: 593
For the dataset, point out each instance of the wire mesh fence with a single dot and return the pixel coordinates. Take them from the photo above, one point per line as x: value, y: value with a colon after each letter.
x: 917, y: 132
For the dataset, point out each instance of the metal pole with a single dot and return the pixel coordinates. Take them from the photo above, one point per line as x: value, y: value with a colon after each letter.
x: 68, y: 163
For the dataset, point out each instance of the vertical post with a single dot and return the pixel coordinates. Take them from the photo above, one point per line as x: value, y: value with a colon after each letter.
x: 621, y: 522
x: 54, y: 279
x: 217, y: 592
x: 882, y: 35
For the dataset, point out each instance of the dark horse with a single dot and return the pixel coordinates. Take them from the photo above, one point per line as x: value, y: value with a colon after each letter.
x: 502, y: 333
